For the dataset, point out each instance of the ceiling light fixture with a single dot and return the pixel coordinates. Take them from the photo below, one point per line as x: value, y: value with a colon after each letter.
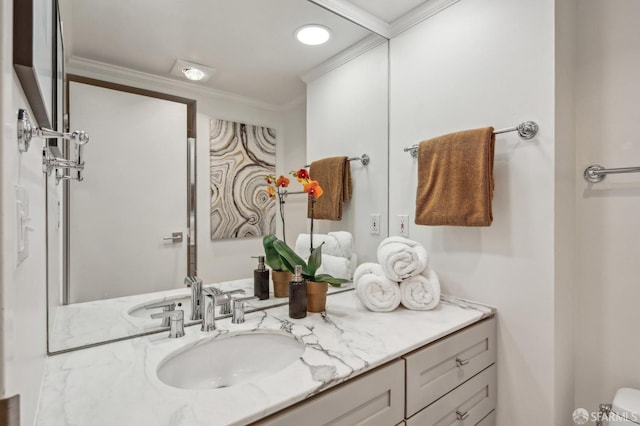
x: 193, y: 73
x: 313, y: 34
x: 191, y: 70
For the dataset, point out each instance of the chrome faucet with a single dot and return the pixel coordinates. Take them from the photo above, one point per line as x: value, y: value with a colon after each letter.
x: 196, y: 296
x: 176, y: 321
x: 237, y: 316
x: 212, y: 297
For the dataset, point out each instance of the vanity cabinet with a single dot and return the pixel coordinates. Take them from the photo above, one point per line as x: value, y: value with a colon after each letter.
x: 374, y: 399
x: 450, y: 381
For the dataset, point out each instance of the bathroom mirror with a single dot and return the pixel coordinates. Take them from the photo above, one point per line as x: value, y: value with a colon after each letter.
x: 259, y: 75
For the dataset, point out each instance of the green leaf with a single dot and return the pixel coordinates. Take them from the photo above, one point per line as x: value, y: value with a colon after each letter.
x: 315, y: 259
x: 272, y: 258
x: 289, y: 257
x: 336, y: 282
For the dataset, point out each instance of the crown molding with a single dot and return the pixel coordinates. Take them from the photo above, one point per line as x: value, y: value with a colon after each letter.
x: 420, y: 13
x: 366, y: 44
x: 116, y: 74
x: 356, y: 14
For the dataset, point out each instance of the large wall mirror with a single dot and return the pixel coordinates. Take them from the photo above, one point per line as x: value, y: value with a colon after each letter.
x: 149, y: 161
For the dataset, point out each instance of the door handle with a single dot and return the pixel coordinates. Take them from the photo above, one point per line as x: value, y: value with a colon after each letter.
x: 176, y: 237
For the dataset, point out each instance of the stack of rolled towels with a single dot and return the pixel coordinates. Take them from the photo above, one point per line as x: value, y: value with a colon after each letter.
x: 338, y: 258
x: 401, y: 276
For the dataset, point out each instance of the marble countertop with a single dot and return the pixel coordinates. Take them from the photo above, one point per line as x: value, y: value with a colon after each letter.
x: 116, y: 384
x: 76, y: 325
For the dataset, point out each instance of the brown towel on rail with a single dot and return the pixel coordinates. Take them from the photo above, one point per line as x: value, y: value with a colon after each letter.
x: 334, y: 176
x: 455, y: 179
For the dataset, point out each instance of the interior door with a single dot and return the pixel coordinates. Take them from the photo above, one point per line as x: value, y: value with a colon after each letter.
x: 133, y: 197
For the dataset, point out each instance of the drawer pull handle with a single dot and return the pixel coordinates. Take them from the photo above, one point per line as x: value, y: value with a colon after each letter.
x: 461, y: 362
x: 462, y: 416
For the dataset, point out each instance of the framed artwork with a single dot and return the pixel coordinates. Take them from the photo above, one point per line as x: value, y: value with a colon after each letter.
x: 240, y: 157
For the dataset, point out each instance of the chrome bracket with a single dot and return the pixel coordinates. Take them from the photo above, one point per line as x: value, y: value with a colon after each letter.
x: 51, y: 161
x: 527, y: 130
x: 592, y: 173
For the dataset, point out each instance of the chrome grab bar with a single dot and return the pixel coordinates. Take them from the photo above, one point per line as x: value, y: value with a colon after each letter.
x: 595, y: 172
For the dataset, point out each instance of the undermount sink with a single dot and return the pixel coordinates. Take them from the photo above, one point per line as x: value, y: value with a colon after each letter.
x: 229, y: 360
x: 182, y: 302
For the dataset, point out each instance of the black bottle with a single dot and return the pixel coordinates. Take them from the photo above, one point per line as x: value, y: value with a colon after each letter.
x: 261, y: 280
x: 298, y: 295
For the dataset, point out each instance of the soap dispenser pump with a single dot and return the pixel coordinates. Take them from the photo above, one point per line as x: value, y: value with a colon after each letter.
x: 298, y: 295
x: 261, y: 280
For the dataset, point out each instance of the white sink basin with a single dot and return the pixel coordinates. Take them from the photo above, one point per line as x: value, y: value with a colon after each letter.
x: 229, y: 360
x: 182, y: 302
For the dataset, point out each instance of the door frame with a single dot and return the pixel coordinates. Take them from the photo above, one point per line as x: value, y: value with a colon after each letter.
x: 191, y: 201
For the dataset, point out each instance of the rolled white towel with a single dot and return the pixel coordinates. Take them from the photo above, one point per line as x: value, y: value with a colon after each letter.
x: 421, y: 292
x: 337, y: 267
x: 402, y: 258
x: 335, y: 244
x: 376, y: 292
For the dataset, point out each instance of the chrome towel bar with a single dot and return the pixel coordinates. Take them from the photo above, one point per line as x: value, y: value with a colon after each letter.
x: 595, y: 172
x: 364, y: 159
x: 526, y: 130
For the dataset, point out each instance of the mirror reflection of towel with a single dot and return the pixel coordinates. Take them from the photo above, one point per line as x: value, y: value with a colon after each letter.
x: 455, y: 179
x: 334, y: 176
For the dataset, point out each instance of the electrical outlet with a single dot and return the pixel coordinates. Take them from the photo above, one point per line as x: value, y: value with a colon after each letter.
x: 374, y: 224
x: 403, y: 225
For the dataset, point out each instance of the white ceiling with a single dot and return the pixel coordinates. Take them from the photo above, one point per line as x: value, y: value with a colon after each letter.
x: 249, y: 42
x: 387, y: 10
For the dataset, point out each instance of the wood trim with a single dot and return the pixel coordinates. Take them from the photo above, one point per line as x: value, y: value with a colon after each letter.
x: 10, y: 411
x: 190, y: 103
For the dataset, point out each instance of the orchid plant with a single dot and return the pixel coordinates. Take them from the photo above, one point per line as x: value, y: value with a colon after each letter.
x: 312, y: 188
x: 277, y: 186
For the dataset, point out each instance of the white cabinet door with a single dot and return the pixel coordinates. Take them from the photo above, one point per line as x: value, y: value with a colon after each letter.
x: 133, y: 194
x: 375, y: 399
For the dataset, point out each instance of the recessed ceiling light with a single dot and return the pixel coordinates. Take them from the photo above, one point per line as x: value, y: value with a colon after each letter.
x: 191, y: 70
x: 193, y: 73
x: 313, y: 35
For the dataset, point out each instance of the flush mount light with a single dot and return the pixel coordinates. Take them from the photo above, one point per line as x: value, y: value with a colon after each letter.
x: 313, y: 35
x: 192, y: 71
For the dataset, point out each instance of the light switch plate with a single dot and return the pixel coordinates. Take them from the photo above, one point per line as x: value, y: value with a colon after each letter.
x: 403, y: 225
x: 374, y: 224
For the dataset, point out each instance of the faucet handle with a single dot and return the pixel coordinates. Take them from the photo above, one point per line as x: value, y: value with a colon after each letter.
x: 192, y: 279
x: 176, y: 319
x: 166, y: 307
x: 237, y: 316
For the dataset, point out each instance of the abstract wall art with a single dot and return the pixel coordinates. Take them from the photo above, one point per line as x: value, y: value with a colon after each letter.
x: 240, y: 156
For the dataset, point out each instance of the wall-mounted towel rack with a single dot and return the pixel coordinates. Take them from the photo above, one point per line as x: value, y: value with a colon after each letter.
x: 595, y: 172
x: 526, y: 130
x: 364, y: 159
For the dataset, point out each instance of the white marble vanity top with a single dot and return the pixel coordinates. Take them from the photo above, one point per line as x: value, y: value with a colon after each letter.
x: 87, y: 323
x: 116, y: 384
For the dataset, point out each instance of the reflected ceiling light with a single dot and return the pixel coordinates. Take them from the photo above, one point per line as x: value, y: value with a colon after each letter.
x: 192, y: 71
x: 313, y: 34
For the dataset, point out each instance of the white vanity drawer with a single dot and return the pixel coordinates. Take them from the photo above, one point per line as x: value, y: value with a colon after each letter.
x: 444, y: 365
x: 468, y: 404
x: 490, y: 420
x: 375, y: 399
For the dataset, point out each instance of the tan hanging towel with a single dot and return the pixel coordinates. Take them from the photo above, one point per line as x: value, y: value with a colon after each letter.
x: 334, y: 176
x: 455, y: 179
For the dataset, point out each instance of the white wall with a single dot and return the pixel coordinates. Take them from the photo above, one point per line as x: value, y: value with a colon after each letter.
x: 347, y: 115
x: 607, y: 105
x: 22, y: 289
x: 225, y: 259
x: 480, y: 63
